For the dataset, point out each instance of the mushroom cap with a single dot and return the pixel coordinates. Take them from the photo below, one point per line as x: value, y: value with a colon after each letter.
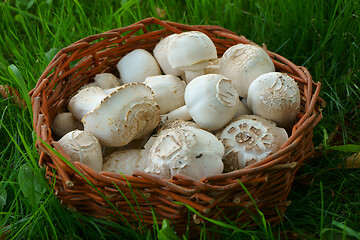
x: 91, y: 84
x: 166, y: 87
x: 276, y: 97
x: 160, y: 53
x: 187, y: 150
x: 212, y: 101
x: 213, y: 66
x: 249, y: 139
x: 190, y: 48
x: 242, y: 110
x: 137, y: 65
x: 65, y: 122
x: 83, y: 147
x: 123, y: 161
x: 106, y: 80
x: 178, y: 123
x: 85, y: 100
x: 130, y: 112
x: 242, y: 63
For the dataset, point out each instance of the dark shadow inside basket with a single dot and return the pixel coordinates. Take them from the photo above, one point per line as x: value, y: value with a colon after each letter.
x: 110, y: 195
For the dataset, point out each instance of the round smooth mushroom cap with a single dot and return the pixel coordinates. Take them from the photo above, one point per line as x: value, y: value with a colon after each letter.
x: 83, y: 147
x: 160, y: 53
x: 191, y: 48
x: 106, y: 80
x: 123, y: 161
x: 168, y: 91
x: 128, y: 113
x: 212, y: 101
x: 187, y: 150
x: 249, y: 139
x: 242, y: 63
x: 85, y: 100
x: 137, y: 65
x: 276, y: 97
x: 65, y: 122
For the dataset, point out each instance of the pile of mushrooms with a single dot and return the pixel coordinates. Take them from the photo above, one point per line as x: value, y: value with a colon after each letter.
x: 203, y: 116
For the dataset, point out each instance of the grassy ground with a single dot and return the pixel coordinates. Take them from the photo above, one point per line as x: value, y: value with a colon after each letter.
x: 322, y: 35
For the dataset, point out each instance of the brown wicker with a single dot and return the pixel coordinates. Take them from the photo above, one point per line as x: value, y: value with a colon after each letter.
x: 216, y: 197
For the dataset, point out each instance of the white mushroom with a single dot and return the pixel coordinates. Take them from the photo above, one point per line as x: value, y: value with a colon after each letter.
x: 191, y: 52
x: 187, y: 150
x: 123, y: 161
x: 160, y: 53
x: 91, y: 84
x: 137, y: 65
x: 211, y: 101
x: 213, y: 66
x: 128, y: 113
x: 65, y: 122
x: 249, y: 139
x: 85, y: 101
x: 106, y: 80
x: 276, y: 97
x: 168, y: 91
x: 242, y: 110
x: 83, y: 147
x: 242, y: 63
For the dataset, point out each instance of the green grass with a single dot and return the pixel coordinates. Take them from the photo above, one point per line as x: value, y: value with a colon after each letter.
x: 322, y: 35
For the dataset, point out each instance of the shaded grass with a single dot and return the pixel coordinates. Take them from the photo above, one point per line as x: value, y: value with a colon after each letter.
x: 323, y: 36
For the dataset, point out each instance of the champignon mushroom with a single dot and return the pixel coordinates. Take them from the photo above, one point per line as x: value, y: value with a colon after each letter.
x: 130, y: 112
x: 242, y: 110
x: 213, y: 66
x: 187, y: 150
x: 242, y: 63
x: 168, y: 91
x: 137, y: 65
x: 123, y: 161
x: 83, y: 147
x: 191, y: 52
x: 276, y: 97
x: 106, y: 80
x: 65, y: 122
x: 249, y: 139
x: 92, y: 84
x: 85, y: 101
x: 160, y: 53
x: 211, y: 101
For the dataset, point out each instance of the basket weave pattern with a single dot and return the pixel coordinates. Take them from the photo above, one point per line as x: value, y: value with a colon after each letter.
x: 268, y: 181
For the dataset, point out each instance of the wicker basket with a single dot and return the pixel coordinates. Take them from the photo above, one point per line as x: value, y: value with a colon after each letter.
x: 216, y: 197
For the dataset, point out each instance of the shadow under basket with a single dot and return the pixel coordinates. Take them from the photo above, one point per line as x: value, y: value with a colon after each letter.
x: 136, y: 198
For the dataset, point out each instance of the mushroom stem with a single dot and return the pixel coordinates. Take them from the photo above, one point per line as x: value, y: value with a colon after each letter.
x: 190, y: 75
x: 181, y: 113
